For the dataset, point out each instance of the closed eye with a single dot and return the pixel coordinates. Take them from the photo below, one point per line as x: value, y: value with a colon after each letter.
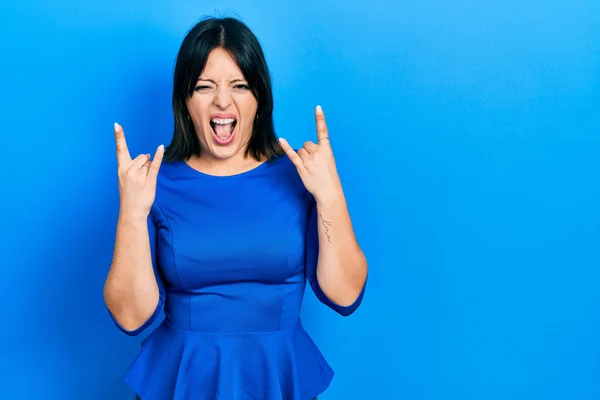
x: 202, y: 88
x: 205, y: 88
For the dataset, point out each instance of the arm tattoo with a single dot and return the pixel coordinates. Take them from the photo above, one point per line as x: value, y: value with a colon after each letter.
x: 326, y: 224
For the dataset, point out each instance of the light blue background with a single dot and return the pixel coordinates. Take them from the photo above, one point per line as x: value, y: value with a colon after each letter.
x: 467, y: 137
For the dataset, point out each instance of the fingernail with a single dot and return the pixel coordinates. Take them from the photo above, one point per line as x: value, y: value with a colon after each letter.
x: 319, y: 109
x: 116, y: 126
x: 161, y: 147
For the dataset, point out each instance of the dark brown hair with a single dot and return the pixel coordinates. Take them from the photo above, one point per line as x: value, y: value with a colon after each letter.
x: 239, y: 41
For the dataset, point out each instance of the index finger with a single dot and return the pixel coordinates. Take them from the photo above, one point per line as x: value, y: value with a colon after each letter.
x: 293, y: 156
x: 158, y: 157
x: 122, y: 150
x: 322, y: 132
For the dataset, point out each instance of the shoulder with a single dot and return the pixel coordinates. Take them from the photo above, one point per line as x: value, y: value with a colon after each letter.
x: 276, y: 178
x: 172, y: 182
x: 283, y: 168
x: 289, y: 181
x: 282, y: 165
x: 169, y: 169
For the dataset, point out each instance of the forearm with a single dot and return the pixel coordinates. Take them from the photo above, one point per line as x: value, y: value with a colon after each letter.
x: 131, y: 292
x: 342, y: 266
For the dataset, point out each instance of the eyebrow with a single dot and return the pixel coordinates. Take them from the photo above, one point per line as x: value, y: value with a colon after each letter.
x: 212, y: 81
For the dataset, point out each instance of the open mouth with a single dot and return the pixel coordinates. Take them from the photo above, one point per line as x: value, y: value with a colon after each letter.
x: 223, y: 129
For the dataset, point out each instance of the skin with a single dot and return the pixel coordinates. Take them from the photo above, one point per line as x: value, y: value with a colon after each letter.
x: 222, y: 88
x: 342, y: 266
x: 131, y: 291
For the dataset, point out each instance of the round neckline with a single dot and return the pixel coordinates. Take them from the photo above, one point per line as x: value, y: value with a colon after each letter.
x: 224, y: 177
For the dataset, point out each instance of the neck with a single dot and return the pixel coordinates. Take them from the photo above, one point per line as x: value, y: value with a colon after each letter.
x: 223, y: 167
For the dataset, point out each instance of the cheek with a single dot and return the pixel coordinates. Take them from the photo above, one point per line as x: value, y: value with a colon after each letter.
x: 198, y: 116
x: 248, y: 109
x: 197, y: 107
x: 248, y: 125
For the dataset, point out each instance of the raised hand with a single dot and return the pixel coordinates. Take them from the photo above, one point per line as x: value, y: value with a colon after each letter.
x: 315, y: 163
x: 137, y: 177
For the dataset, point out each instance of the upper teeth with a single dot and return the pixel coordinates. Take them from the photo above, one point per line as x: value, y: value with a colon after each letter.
x: 223, y: 120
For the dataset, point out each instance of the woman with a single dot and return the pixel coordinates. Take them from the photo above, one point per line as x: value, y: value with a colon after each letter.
x: 225, y: 232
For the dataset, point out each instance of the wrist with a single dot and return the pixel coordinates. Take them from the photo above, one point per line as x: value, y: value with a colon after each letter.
x: 130, y: 217
x: 330, y: 198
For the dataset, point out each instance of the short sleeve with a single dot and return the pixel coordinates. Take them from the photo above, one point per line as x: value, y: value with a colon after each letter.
x: 310, y: 265
x: 153, y: 234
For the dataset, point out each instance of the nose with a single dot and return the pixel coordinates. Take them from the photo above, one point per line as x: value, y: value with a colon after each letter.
x: 222, y: 98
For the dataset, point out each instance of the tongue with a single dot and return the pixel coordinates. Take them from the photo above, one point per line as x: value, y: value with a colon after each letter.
x: 223, y: 131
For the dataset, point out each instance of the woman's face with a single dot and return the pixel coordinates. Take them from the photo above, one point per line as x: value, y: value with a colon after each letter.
x: 222, y: 107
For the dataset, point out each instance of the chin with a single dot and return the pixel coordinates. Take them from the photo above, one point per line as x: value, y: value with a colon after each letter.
x: 224, y: 152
